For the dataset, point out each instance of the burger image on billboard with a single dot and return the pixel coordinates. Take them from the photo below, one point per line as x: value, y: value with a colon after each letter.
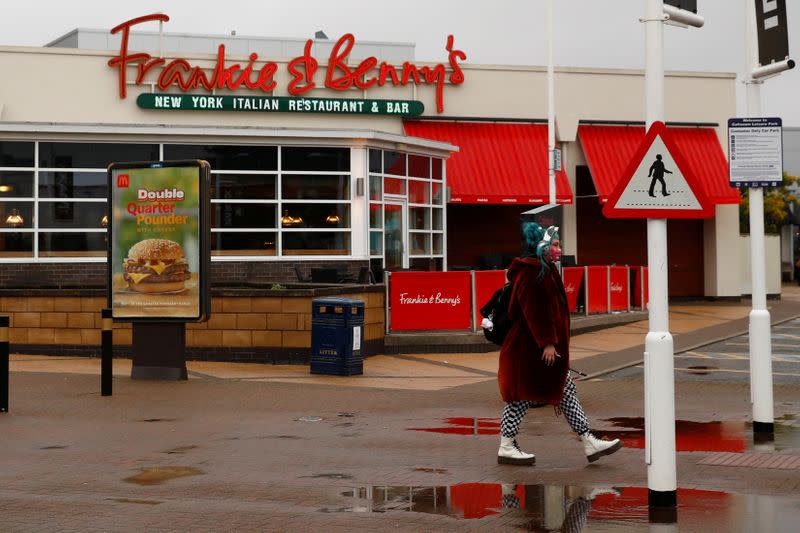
x: 156, y: 266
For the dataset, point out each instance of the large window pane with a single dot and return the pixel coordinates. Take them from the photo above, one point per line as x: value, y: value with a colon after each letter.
x: 375, y: 216
x: 419, y: 218
x: 315, y: 216
x: 16, y: 184
x: 420, y: 243
x: 419, y: 166
x: 438, y: 247
x: 295, y: 187
x: 375, y: 243
x: 93, y: 155
x: 436, y: 168
x: 243, y: 215
x: 437, y: 193
x: 72, y: 244
x: 315, y: 158
x: 16, y: 245
x: 438, y: 218
x: 375, y: 188
x: 311, y: 243
x: 223, y: 157
x: 394, y: 163
x: 243, y: 186
x: 71, y: 214
x: 16, y: 214
x: 419, y: 192
x: 73, y: 185
x: 16, y: 154
x: 394, y: 186
x: 255, y: 243
x: 375, y: 157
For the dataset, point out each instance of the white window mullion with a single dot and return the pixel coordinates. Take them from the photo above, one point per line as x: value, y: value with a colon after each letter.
x: 36, y: 201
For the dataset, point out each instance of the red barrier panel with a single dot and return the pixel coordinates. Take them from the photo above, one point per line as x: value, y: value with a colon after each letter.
x: 486, y: 282
x: 620, y: 283
x: 573, y: 278
x: 429, y: 300
x: 598, y: 289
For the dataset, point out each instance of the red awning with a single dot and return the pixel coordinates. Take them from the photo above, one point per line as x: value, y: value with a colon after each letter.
x: 498, y: 163
x: 608, y: 151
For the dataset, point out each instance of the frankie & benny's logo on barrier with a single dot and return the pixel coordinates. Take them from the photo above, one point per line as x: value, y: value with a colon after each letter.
x: 338, y: 76
x: 433, y: 299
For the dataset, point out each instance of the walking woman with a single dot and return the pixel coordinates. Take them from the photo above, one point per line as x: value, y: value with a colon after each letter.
x: 534, y: 359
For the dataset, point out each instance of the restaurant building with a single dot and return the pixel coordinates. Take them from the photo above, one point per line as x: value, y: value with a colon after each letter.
x: 335, y: 153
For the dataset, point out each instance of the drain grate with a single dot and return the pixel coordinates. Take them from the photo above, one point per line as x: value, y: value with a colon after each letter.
x: 753, y: 460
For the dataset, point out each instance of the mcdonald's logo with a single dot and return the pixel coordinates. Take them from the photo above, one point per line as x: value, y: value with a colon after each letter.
x: 123, y: 181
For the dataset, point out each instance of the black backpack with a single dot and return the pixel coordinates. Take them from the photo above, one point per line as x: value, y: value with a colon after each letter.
x: 496, y: 310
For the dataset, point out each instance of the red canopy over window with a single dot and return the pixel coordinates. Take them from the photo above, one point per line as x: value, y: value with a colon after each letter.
x: 498, y: 163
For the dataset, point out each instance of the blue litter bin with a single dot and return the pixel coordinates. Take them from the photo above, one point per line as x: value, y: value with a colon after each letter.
x: 337, y: 336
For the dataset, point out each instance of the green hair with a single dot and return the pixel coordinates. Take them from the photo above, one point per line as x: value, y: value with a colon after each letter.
x: 537, y: 242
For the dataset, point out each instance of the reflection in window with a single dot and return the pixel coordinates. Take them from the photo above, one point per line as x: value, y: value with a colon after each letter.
x: 16, y: 154
x: 438, y: 246
x: 375, y: 243
x: 16, y: 214
x: 222, y: 157
x: 71, y: 214
x: 394, y: 163
x: 16, y: 184
x: 438, y: 216
x: 251, y: 243
x: 233, y: 215
x: 72, y: 244
x: 93, y: 155
x: 419, y: 218
x: 375, y: 159
x: 315, y: 159
x: 375, y: 216
x: 437, y: 193
x: 436, y: 168
x: 394, y: 186
x: 73, y: 184
x: 375, y: 186
x: 243, y: 186
x: 420, y: 243
x: 419, y: 166
x: 16, y: 245
x: 302, y: 215
x: 418, y: 192
x: 316, y: 243
x: 296, y: 187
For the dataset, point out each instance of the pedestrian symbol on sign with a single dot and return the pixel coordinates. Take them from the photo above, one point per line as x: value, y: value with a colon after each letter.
x: 657, y: 172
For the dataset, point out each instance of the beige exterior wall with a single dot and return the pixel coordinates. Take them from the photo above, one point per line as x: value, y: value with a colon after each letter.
x: 77, y: 87
x: 771, y: 258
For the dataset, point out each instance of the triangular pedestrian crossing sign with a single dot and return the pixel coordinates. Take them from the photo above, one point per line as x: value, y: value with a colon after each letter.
x: 658, y: 183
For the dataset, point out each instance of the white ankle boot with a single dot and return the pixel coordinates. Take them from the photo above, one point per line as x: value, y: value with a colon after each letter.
x: 596, y: 448
x: 510, y: 454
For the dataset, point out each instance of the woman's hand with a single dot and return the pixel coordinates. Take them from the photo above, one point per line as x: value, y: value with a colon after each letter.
x: 549, y: 355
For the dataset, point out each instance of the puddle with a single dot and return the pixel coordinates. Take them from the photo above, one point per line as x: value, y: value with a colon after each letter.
x: 699, y: 370
x: 430, y: 470
x: 328, y: 476
x: 573, y: 508
x: 310, y: 419
x: 716, y: 436
x: 160, y: 474
x: 54, y: 447
x: 129, y: 500
x: 181, y: 449
x: 466, y: 426
x: 158, y: 420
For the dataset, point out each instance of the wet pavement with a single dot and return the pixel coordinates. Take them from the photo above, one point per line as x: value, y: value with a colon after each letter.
x: 414, y: 450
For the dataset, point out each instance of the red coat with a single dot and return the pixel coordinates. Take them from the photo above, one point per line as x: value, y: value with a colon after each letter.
x: 540, y: 317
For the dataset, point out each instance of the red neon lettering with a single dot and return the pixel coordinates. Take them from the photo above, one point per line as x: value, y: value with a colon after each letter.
x: 306, y: 77
x: 172, y: 74
x: 145, y: 67
x: 122, y: 60
x: 387, y: 71
x: 364, y: 67
x: 338, y: 61
x: 457, y: 77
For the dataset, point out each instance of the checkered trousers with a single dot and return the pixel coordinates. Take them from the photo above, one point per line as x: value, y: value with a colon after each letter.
x: 514, y: 412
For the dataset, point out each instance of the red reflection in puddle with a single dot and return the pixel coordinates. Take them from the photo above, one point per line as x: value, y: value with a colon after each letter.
x: 631, y: 505
x: 466, y: 426
x: 689, y: 436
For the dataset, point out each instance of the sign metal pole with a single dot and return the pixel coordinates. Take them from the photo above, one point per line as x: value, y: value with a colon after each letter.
x: 759, y: 334
x: 551, y: 109
x: 658, y: 357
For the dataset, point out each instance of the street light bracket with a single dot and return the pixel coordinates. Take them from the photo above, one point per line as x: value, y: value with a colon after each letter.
x: 772, y: 69
x: 681, y: 16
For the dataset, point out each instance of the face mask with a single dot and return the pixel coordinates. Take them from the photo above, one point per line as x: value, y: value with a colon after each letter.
x: 555, y: 254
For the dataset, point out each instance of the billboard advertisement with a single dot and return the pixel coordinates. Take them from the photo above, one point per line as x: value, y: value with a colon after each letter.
x: 158, y: 253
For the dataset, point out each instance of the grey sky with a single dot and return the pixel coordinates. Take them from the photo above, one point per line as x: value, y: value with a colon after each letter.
x: 588, y: 33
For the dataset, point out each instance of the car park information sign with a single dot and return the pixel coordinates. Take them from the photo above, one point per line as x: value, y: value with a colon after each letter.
x: 755, y: 151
